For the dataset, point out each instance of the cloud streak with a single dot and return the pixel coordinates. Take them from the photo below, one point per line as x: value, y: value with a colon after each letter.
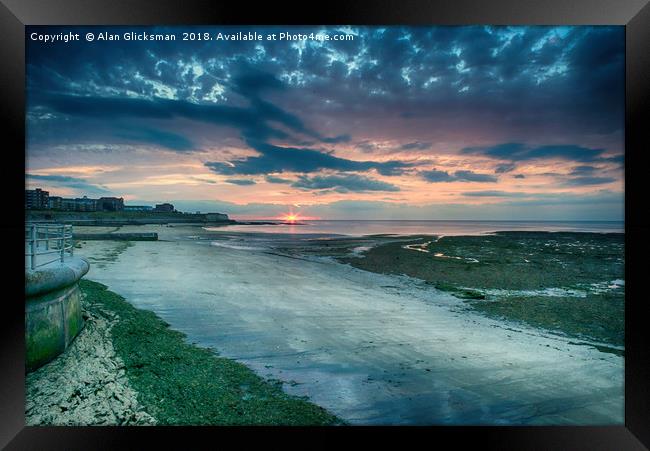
x: 241, y: 182
x: 521, y: 152
x: 277, y: 159
x: 435, y: 176
x: 69, y: 182
x: 343, y: 183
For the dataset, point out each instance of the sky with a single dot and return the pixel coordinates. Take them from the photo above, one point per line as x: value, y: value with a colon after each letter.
x: 438, y: 122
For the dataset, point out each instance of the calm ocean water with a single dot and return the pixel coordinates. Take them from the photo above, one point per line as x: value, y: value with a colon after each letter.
x: 433, y: 227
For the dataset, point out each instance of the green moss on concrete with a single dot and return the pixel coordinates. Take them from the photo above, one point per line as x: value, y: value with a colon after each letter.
x: 181, y: 384
x: 44, y: 338
x: 74, y: 319
x: 52, y: 321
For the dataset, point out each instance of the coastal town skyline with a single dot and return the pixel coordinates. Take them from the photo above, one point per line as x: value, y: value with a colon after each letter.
x: 396, y: 123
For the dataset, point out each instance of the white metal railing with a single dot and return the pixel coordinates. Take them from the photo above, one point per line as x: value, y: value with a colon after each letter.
x: 44, y: 241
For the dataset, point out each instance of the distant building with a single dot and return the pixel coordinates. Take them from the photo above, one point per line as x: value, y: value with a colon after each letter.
x: 138, y: 208
x: 55, y: 203
x: 84, y: 204
x: 37, y: 199
x: 216, y: 217
x: 68, y: 204
x: 110, y: 204
x: 166, y: 208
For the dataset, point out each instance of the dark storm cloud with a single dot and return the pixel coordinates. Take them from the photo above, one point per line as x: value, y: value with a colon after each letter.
x: 500, y: 151
x: 583, y: 181
x: 519, y: 176
x: 569, y: 152
x: 273, y: 179
x: 366, y: 146
x: 522, y: 77
x: 164, y: 139
x: 241, y: 182
x: 583, y: 170
x: 470, y: 176
x: 199, y: 179
x: 493, y: 194
x: 522, y: 152
x: 416, y: 146
x: 435, y: 176
x: 336, y: 139
x: 569, y: 79
x: 343, y: 183
x: 251, y: 121
x: 618, y: 159
x: 276, y: 159
x: 506, y: 167
x: 251, y: 82
x: 69, y: 182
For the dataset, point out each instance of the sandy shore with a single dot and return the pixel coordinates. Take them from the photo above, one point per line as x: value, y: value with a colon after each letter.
x: 370, y: 348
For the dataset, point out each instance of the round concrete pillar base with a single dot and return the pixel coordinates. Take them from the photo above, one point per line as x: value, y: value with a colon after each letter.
x: 53, y: 315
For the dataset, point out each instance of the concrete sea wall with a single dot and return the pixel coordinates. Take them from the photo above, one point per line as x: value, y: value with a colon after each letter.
x: 53, y: 315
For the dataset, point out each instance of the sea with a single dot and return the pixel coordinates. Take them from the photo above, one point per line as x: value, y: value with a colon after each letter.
x: 422, y: 227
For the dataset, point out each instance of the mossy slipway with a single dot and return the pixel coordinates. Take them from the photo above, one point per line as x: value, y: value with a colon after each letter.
x: 181, y: 384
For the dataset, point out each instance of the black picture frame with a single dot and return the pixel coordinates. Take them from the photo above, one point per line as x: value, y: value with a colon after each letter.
x: 634, y: 14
